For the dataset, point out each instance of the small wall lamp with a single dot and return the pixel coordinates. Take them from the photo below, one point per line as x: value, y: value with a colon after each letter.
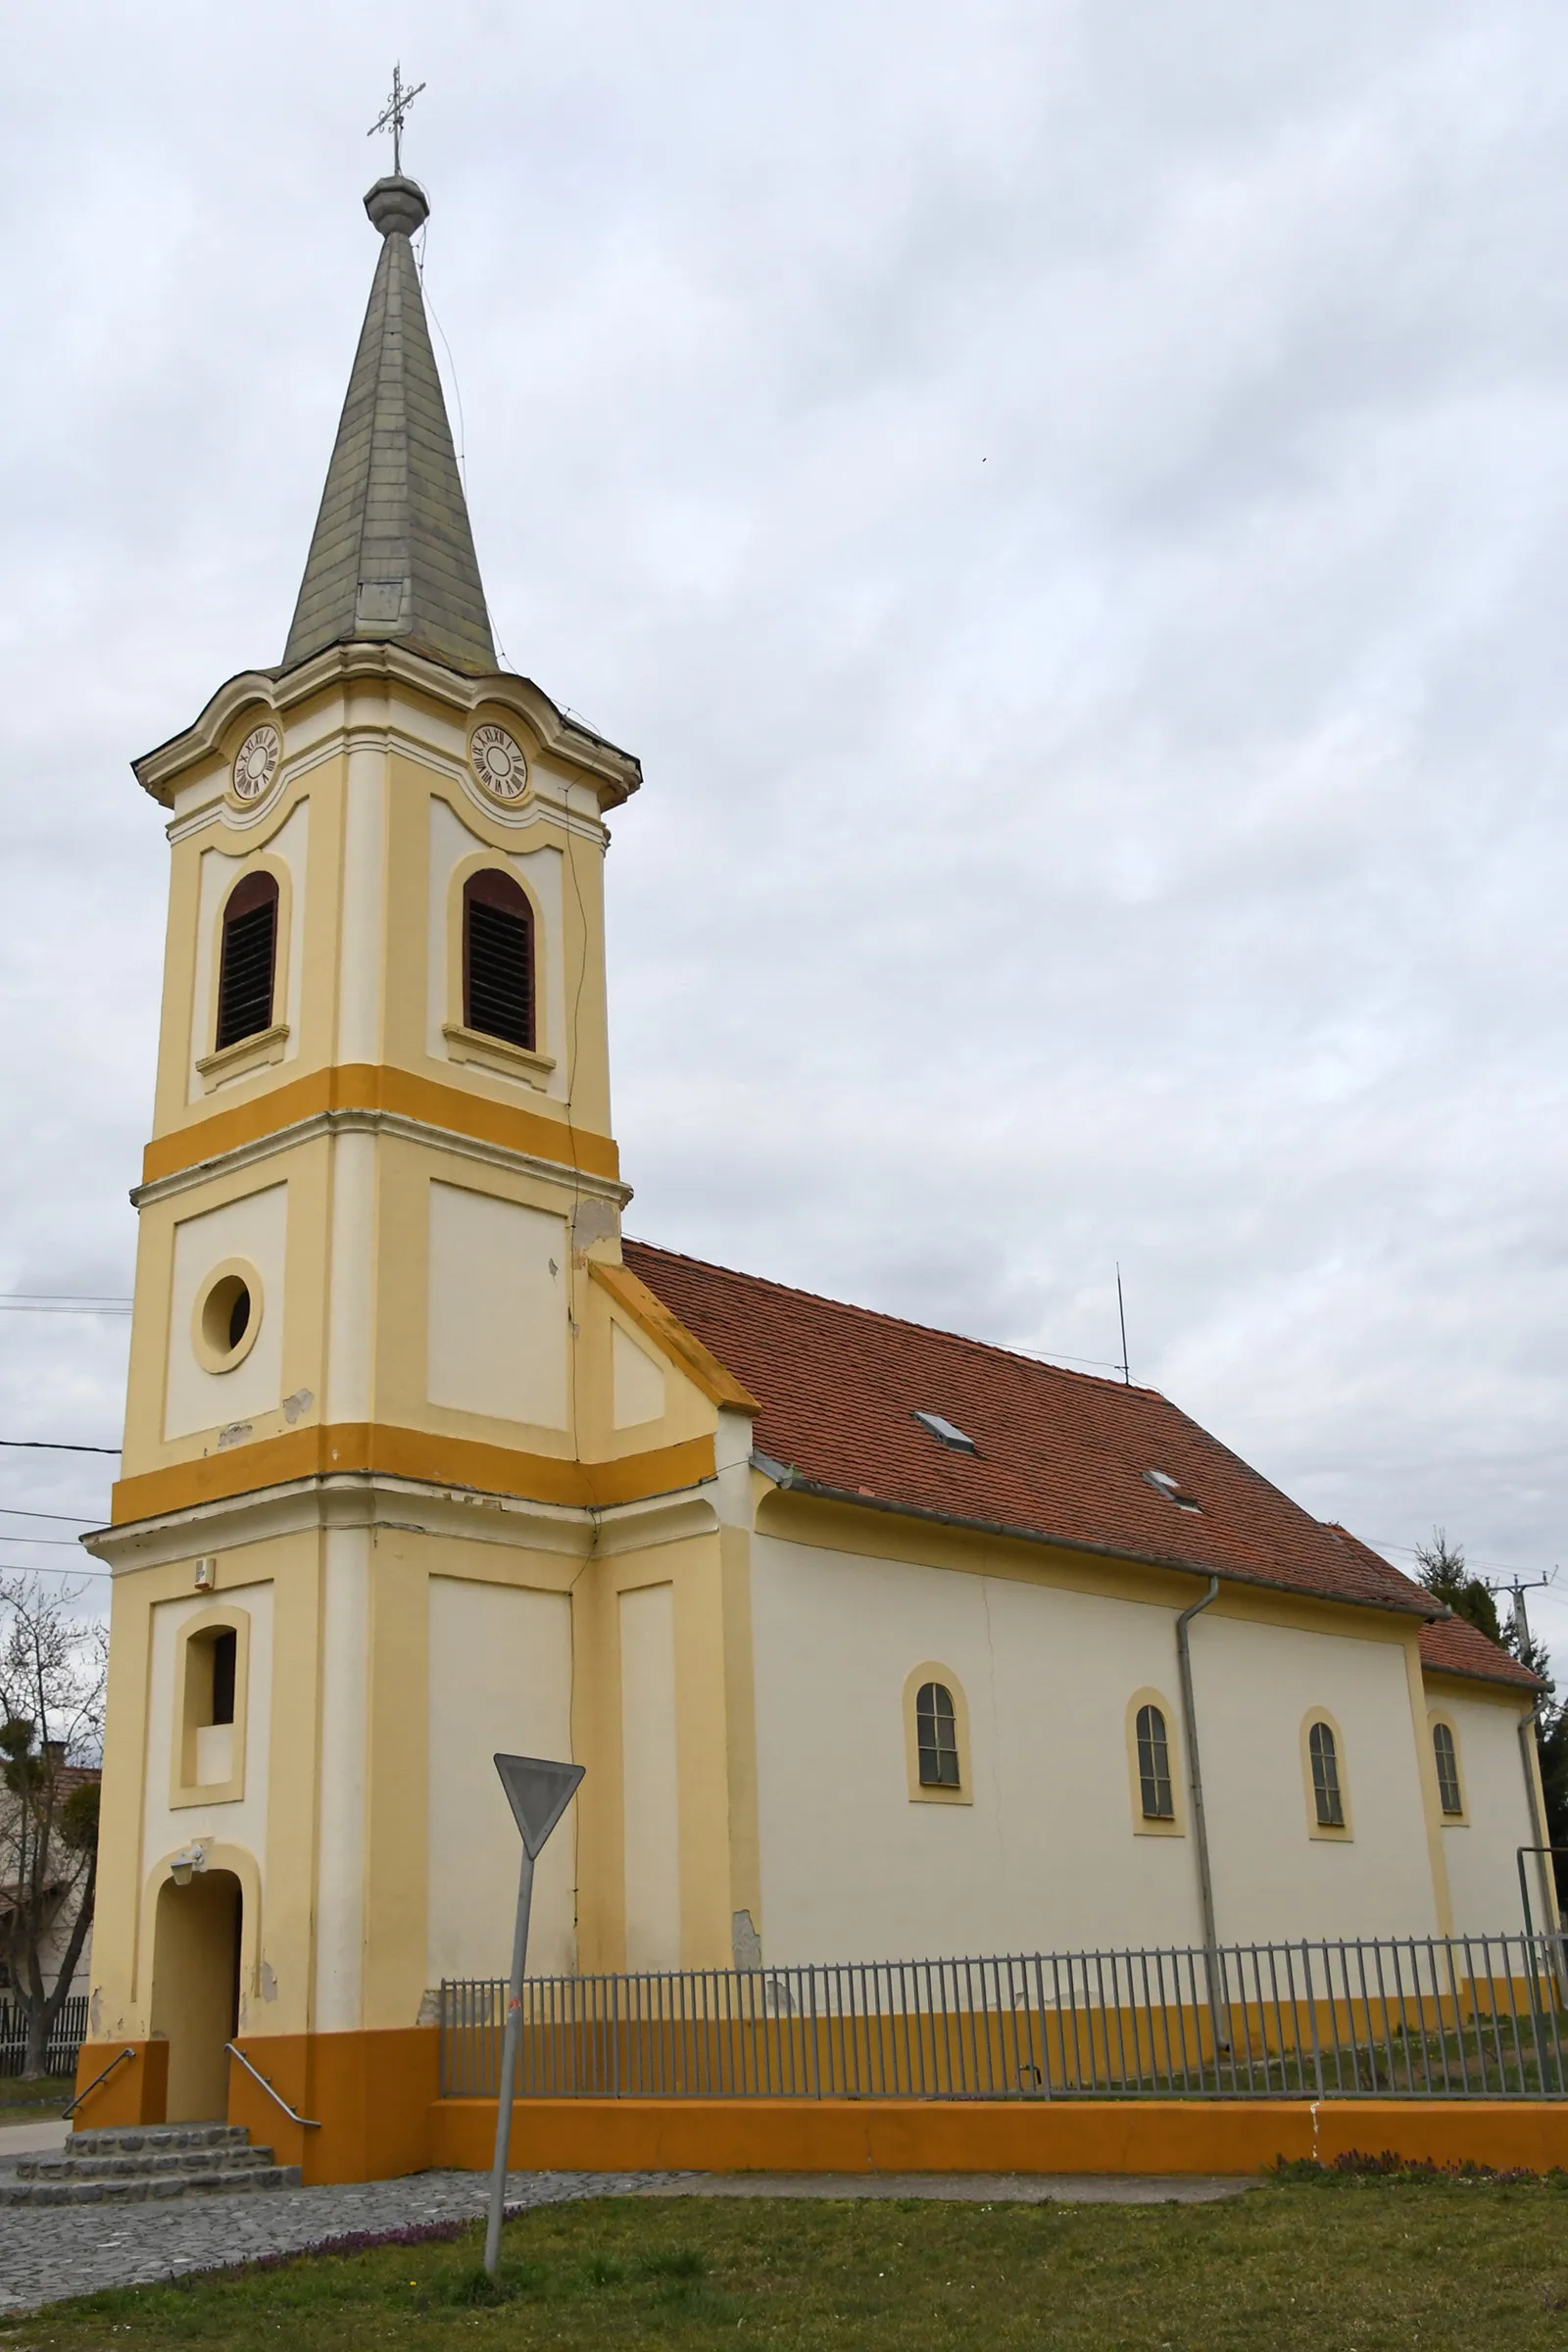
x: 188, y: 1860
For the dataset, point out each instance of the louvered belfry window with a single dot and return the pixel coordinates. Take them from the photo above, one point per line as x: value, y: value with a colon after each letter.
x: 249, y: 960
x: 498, y: 994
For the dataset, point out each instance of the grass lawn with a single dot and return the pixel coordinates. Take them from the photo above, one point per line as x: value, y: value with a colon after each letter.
x: 48, y: 2092
x: 1342, y: 2267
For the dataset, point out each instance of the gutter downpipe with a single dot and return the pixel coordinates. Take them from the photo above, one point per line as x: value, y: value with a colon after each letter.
x: 1217, y: 2007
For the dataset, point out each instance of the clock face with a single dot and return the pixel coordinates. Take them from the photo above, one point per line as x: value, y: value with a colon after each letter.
x: 497, y: 763
x: 256, y: 763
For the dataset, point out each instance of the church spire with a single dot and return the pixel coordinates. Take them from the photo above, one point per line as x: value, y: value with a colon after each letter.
x: 392, y: 556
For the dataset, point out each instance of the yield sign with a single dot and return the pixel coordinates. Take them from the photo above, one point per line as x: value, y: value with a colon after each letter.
x: 538, y: 1794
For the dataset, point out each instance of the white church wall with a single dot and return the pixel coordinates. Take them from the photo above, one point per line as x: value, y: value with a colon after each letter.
x: 637, y: 1382
x: 351, y: 1278
x: 1482, y: 1848
x: 497, y: 1307
x: 1047, y: 1855
x: 362, y: 963
x: 340, y: 1837
x: 1255, y: 1685
x: 237, y: 1821
x: 650, y: 1794
x: 500, y: 1681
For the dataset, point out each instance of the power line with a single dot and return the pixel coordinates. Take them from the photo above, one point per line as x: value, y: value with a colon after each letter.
x: 67, y: 1518
x: 46, y: 1568
x: 1493, y: 1567
x: 59, y: 1303
x: 57, y: 1446
x: 65, y: 1542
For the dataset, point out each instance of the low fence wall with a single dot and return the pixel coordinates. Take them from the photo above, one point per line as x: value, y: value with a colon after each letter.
x: 1475, y: 2017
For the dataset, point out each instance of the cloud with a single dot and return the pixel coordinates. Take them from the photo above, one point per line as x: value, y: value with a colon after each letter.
x: 1069, y: 506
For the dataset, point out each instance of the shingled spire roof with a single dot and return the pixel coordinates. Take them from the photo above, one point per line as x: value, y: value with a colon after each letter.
x: 393, y: 555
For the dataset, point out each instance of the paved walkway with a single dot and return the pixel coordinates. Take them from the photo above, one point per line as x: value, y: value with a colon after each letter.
x: 48, y: 2252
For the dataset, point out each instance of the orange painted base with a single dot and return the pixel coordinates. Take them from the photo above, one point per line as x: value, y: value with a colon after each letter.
x: 135, y: 2092
x: 372, y: 2100
x: 368, y: 2095
x: 896, y: 2136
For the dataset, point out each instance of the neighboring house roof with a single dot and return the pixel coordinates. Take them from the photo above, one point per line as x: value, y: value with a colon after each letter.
x: 1059, y: 1455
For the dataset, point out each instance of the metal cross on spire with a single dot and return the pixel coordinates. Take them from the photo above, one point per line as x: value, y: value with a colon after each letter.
x: 392, y: 116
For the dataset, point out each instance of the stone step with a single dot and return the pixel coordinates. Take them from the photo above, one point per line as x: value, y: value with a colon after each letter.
x: 152, y: 2137
x: 131, y: 2164
x: 143, y: 2188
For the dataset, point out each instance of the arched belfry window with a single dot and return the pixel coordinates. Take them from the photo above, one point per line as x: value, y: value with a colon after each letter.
x: 249, y: 960
x: 498, y: 990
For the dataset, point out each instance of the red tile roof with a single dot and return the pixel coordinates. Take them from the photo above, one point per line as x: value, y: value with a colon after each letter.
x: 1059, y: 1455
x: 1452, y: 1646
x: 1455, y: 1647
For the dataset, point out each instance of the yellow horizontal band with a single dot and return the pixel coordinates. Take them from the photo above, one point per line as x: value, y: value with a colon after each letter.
x: 370, y: 1445
x: 379, y: 1086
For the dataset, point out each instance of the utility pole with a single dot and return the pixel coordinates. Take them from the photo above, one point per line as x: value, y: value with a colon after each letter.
x: 1516, y: 1588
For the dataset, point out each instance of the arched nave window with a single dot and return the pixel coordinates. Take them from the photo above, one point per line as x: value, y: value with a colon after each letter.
x: 1154, y: 1766
x: 249, y: 960
x: 498, y: 990
x: 1328, y: 1789
x: 1154, y: 1789
x: 936, y: 1737
x: 1446, y: 1755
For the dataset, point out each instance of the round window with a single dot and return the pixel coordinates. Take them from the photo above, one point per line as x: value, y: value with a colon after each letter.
x: 227, y: 1317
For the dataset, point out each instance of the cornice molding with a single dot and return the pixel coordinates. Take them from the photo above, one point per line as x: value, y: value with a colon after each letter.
x: 616, y: 773
x: 365, y: 1500
x: 396, y: 1124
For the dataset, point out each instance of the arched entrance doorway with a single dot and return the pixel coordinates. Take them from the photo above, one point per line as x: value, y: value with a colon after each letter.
x: 196, y: 1940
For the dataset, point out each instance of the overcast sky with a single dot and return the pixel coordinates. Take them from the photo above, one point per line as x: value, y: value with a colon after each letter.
x: 1069, y: 504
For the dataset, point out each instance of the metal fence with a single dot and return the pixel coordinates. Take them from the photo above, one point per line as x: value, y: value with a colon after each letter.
x: 1467, y: 2017
x: 69, y: 2034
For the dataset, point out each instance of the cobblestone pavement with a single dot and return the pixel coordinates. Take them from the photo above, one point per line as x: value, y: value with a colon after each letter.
x: 50, y: 2251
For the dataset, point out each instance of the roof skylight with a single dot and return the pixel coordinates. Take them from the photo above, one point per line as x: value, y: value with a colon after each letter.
x: 1163, y: 1483
x: 940, y: 1427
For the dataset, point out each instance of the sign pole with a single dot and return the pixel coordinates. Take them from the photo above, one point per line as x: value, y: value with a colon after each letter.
x: 509, y: 2066
x: 538, y: 1793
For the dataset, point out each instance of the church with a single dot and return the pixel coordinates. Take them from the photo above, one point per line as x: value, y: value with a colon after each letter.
x: 875, y: 1643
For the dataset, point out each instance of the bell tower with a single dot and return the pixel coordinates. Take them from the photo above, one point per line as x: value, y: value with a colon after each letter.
x: 389, y: 1378
x: 385, y: 942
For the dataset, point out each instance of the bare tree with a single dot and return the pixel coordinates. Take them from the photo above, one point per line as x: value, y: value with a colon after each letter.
x: 53, y: 1672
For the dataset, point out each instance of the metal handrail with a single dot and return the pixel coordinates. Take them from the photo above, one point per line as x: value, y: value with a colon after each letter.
x: 292, y: 2113
x: 119, y: 2059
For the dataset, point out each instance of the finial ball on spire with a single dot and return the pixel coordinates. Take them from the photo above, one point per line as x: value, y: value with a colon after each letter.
x: 397, y: 206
